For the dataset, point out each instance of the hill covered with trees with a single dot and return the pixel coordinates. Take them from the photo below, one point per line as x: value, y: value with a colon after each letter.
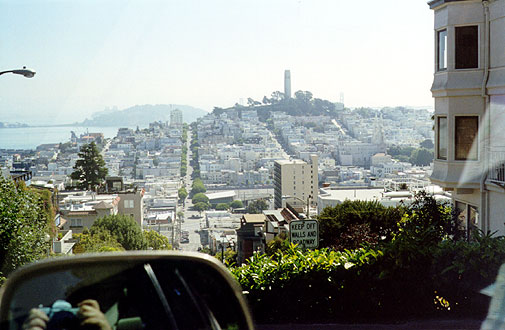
x: 302, y: 103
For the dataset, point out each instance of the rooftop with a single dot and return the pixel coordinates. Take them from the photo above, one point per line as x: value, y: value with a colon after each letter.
x: 437, y: 3
x: 288, y: 162
x: 221, y: 194
x: 254, y: 218
x: 351, y: 194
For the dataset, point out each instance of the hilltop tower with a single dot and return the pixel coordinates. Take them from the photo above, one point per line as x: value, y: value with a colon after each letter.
x: 287, y: 84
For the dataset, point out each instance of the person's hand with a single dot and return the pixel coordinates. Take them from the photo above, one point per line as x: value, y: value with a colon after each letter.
x: 91, y: 317
x: 36, y: 320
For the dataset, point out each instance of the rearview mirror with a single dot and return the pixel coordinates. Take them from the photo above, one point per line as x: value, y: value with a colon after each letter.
x: 134, y: 290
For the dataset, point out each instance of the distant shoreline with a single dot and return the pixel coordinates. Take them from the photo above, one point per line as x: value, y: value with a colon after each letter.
x: 65, y: 125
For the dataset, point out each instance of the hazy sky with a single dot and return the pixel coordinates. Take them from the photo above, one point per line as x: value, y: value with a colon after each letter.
x: 95, y: 54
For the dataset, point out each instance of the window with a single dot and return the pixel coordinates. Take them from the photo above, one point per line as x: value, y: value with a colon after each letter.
x: 467, y: 47
x: 468, y: 218
x: 465, y: 134
x: 442, y: 138
x: 473, y: 219
x: 129, y: 204
x: 76, y: 223
x: 442, y: 50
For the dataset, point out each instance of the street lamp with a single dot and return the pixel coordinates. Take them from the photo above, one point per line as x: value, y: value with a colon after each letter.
x: 24, y: 72
x: 298, y: 198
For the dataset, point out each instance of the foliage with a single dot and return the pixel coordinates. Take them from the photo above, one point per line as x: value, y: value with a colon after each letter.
x: 90, y: 168
x: 200, y: 198
x: 257, y: 206
x: 197, y: 187
x: 124, y: 228
x: 403, y: 279
x: 302, y: 104
x: 101, y: 240
x: 399, y: 150
x: 415, y: 266
x: 427, y: 144
x: 355, y: 236
x: 156, y: 241
x: 24, y: 224
x: 236, y: 204
x: 200, y: 207
x: 230, y: 257
x: 421, y: 157
x: 222, y: 206
x: 182, y: 192
x: 335, y: 223
x: 319, y: 285
x: 280, y: 243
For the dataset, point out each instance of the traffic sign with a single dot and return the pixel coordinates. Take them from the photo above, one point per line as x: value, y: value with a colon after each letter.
x: 305, y: 233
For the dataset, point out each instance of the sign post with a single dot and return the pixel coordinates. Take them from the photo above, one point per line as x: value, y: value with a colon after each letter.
x: 305, y: 233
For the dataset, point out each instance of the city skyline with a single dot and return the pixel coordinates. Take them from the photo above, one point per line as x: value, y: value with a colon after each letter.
x: 209, y: 54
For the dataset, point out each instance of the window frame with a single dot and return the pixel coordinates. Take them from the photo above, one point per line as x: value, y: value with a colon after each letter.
x: 476, y: 138
x: 438, y: 53
x: 457, y: 46
x: 439, y: 156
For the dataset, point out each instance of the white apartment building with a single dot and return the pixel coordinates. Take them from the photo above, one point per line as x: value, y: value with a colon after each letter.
x: 469, y: 92
x: 176, y: 118
x: 297, y: 179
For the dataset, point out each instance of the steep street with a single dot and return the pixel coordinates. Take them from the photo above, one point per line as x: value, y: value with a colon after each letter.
x: 192, y: 220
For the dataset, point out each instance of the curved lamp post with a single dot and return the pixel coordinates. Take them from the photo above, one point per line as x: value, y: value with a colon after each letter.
x: 24, y: 72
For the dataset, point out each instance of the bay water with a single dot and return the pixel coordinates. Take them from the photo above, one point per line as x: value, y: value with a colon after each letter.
x: 31, y: 137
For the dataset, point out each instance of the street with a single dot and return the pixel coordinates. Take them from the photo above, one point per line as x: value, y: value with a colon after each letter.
x: 192, y: 219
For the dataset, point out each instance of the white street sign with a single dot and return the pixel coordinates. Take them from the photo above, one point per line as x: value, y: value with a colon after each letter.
x: 305, y: 233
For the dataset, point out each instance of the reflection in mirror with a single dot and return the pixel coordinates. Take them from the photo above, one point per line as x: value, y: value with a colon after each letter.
x: 131, y: 294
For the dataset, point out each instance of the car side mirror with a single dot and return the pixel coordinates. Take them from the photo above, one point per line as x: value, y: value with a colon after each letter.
x: 135, y: 290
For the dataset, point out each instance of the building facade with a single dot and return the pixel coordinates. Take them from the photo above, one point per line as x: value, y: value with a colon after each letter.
x: 296, y: 179
x: 469, y: 92
x: 176, y: 118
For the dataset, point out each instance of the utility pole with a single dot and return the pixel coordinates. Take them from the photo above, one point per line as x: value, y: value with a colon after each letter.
x: 308, y: 206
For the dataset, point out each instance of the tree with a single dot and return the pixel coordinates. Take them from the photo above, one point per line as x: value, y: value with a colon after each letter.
x: 421, y: 157
x: 277, y: 97
x: 229, y: 258
x: 427, y: 144
x: 197, y: 187
x: 280, y: 243
x: 124, y: 228
x: 303, y: 96
x: 24, y: 224
x: 90, y: 168
x: 180, y: 215
x: 101, y: 240
x: 200, y: 207
x: 156, y: 241
x: 200, y: 198
x: 182, y: 193
x: 236, y: 204
x: 340, y: 226
x: 257, y: 206
x: 222, y: 206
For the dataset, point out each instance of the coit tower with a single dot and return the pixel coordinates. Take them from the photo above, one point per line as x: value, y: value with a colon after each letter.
x: 287, y: 84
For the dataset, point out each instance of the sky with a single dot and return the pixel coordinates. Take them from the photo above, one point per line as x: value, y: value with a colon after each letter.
x: 90, y: 55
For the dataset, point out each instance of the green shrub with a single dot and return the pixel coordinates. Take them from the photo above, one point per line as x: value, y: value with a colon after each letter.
x: 304, y: 286
x: 419, y: 269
